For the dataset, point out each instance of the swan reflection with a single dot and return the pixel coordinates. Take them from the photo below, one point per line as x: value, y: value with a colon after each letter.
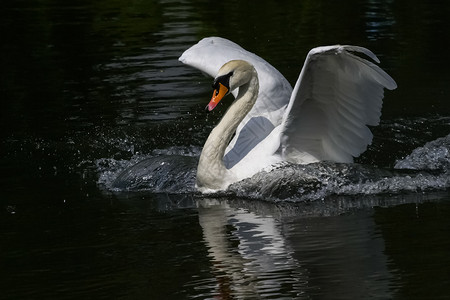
x: 248, y: 252
x: 261, y: 252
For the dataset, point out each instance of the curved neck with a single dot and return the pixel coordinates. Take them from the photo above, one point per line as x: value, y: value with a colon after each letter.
x: 211, y: 171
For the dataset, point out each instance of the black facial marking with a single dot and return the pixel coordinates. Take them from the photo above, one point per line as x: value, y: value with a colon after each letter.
x: 224, y: 80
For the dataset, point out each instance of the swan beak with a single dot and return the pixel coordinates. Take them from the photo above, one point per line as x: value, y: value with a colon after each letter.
x: 218, y: 94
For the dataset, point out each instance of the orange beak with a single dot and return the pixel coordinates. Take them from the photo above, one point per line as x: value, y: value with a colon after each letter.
x: 218, y: 94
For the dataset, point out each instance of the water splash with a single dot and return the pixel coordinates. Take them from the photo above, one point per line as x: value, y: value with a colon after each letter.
x: 170, y: 170
x: 173, y: 170
x: 433, y: 155
x: 322, y: 180
x: 171, y: 174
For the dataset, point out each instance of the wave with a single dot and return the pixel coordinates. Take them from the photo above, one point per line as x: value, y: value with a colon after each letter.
x: 434, y: 155
x: 169, y: 170
x: 173, y: 170
x: 322, y: 180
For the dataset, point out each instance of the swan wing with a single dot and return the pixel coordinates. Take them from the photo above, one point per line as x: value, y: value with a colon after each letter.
x: 336, y: 96
x: 211, y: 53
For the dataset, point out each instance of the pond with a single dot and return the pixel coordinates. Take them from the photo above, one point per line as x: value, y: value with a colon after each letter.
x: 89, y: 88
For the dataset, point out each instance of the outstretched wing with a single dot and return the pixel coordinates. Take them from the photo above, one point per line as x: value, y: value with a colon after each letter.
x: 208, y: 56
x: 336, y: 96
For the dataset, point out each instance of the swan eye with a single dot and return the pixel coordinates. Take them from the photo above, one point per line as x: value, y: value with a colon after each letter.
x: 224, y: 80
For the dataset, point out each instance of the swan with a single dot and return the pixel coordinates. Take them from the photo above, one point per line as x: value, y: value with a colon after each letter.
x: 323, y: 118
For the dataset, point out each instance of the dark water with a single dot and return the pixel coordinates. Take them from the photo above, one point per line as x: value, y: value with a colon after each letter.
x: 88, y: 88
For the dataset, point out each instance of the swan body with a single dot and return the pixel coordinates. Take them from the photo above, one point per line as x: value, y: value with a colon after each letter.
x: 324, y: 117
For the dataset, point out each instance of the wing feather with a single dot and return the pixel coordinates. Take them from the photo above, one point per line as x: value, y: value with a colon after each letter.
x: 336, y: 96
x: 208, y: 55
x: 325, y: 117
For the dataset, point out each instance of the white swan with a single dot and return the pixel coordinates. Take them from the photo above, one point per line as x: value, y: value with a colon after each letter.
x: 324, y: 117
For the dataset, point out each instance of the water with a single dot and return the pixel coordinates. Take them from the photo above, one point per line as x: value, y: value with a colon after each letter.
x: 90, y: 88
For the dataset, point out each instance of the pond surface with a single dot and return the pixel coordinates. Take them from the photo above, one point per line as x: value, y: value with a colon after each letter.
x: 89, y: 88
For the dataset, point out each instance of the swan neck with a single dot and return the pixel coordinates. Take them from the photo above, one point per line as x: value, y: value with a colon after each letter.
x: 211, y: 171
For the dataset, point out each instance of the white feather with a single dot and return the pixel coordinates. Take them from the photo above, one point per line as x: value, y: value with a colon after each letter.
x: 336, y: 96
x: 208, y: 55
x: 324, y: 117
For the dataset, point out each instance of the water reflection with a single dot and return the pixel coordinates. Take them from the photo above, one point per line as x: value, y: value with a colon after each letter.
x: 150, y: 84
x: 379, y: 20
x: 248, y: 252
x: 344, y: 256
x: 257, y: 250
x: 418, y: 256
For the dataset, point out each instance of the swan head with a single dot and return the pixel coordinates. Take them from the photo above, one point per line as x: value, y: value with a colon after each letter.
x: 231, y: 75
